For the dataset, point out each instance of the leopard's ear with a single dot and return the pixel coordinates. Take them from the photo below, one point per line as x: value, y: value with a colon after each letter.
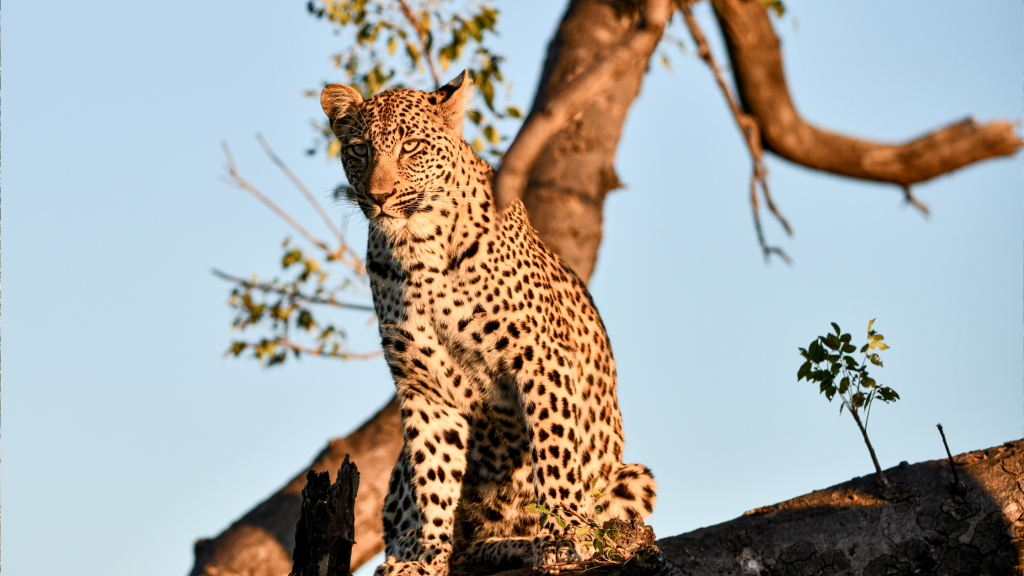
x: 339, y: 101
x: 452, y: 101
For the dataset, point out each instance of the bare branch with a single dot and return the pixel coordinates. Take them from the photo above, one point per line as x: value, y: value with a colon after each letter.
x: 546, y: 120
x: 352, y: 260
x: 423, y: 40
x: 913, y: 201
x: 268, y: 287
x: 761, y: 84
x: 302, y: 188
x: 242, y: 183
x: 751, y: 135
x: 318, y: 352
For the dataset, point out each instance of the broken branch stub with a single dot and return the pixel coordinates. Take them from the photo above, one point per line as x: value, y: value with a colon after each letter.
x: 325, y: 532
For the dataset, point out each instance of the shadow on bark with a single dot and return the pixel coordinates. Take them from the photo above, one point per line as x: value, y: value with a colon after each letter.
x: 922, y: 525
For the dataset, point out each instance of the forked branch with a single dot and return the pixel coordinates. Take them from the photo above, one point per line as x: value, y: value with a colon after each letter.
x: 751, y: 135
x: 343, y: 253
x: 757, y: 70
x: 276, y: 289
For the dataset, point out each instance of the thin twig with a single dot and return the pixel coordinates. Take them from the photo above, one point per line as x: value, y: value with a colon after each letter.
x: 912, y: 200
x: 267, y: 287
x: 423, y: 40
x: 751, y: 135
x: 302, y: 187
x: 244, y: 184
x: 238, y: 181
x: 316, y: 352
x: 952, y: 466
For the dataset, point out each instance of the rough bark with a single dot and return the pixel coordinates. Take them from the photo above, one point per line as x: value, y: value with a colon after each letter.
x: 761, y: 84
x: 325, y: 532
x: 922, y: 524
x: 568, y: 183
x: 261, y: 542
x: 562, y: 101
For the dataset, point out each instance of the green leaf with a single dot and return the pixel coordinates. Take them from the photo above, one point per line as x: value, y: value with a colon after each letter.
x: 491, y: 133
x: 888, y: 394
x: 514, y: 111
x: 849, y: 348
x: 836, y: 327
x: 598, y: 510
x: 844, y: 385
x: 804, y: 370
x: 561, y: 522
x: 774, y: 5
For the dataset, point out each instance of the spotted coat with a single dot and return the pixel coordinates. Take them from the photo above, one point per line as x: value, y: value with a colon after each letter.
x: 504, y: 371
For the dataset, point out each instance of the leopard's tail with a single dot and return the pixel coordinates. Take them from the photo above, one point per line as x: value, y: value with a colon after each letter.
x: 630, y: 493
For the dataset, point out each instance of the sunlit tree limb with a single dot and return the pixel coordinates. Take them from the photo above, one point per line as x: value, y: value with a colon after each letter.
x: 761, y: 84
x: 546, y: 120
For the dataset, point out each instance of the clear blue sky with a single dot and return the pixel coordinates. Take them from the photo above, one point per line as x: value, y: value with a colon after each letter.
x: 127, y: 435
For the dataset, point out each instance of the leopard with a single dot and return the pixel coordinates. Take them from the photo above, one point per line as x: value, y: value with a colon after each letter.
x: 503, y: 368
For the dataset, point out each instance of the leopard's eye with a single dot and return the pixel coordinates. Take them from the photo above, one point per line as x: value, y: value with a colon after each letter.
x: 411, y: 146
x: 359, y: 149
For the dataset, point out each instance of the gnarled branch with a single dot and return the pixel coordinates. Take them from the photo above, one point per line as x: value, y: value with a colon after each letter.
x: 761, y: 84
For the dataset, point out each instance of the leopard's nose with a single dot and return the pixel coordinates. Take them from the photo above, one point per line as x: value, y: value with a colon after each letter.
x: 381, y: 197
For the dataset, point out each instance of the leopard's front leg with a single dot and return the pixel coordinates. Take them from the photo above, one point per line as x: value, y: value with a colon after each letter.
x: 553, y: 417
x: 427, y: 481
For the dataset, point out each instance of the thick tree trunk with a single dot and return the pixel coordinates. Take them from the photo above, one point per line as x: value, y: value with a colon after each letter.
x: 568, y: 183
x: 922, y: 524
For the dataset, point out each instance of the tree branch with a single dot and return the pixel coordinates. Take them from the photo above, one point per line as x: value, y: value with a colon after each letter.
x: 761, y: 84
x: 243, y: 184
x: 235, y: 179
x: 751, y: 135
x: 546, y: 120
x: 260, y: 543
x: 423, y: 40
x: 268, y: 287
x: 302, y: 188
x: 294, y: 347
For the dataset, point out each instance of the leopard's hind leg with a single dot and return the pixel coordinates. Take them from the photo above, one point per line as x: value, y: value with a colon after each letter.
x: 629, y: 494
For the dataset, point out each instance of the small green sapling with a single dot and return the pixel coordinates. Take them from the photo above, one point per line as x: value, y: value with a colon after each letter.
x: 828, y: 361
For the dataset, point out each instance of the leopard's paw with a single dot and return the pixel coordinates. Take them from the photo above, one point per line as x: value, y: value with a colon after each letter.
x: 394, y: 567
x: 556, y: 556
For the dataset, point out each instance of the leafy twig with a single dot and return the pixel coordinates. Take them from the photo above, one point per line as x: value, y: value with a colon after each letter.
x: 268, y: 287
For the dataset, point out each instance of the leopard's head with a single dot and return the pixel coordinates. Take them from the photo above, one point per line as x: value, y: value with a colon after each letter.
x: 400, y: 148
